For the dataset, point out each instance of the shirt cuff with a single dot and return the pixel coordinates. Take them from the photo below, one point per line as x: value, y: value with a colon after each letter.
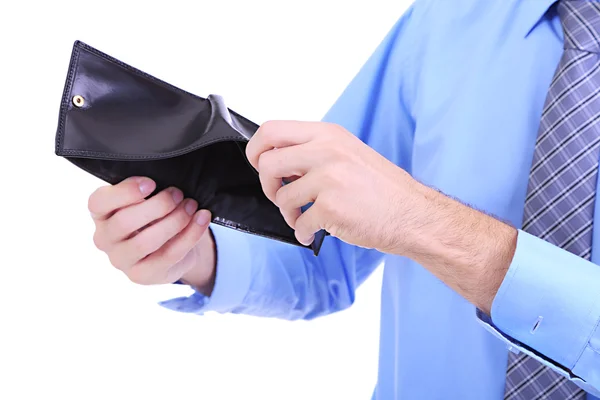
x: 232, y: 280
x: 548, y: 306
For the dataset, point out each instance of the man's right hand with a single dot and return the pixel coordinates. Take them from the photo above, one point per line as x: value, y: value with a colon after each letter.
x: 154, y: 241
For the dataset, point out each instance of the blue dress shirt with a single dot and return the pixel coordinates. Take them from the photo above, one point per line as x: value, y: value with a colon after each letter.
x: 454, y: 95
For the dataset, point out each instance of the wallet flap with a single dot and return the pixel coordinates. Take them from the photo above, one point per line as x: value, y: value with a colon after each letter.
x: 111, y: 110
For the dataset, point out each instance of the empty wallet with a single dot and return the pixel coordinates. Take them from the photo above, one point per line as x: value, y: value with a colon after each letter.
x: 116, y: 121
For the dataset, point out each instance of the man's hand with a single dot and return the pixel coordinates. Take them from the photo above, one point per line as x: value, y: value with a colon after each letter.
x: 358, y: 195
x: 157, y: 240
x: 364, y: 199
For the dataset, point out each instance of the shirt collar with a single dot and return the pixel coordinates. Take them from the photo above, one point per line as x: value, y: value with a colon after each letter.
x: 533, y: 11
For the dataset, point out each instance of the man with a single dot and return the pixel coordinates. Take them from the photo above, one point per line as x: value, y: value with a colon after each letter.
x: 471, y: 171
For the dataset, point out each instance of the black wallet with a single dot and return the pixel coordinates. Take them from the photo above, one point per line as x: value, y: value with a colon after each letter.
x: 116, y: 121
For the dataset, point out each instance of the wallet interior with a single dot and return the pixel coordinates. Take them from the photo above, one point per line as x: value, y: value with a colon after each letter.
x: 116, y: 121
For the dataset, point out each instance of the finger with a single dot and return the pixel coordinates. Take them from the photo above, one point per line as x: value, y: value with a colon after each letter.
x: 160, y: 266
x: 278, y: 134
x: 290, y: 216
x: 132, y: 218
x: 298, y: 193
x: 277, y: 164
x: 307, y: 225
x: 293, y: 196
x: 127, y: 253
x: 107, y: 199
x: 270, y: 186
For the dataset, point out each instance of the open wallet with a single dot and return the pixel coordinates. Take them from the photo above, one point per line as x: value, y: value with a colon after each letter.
x: 116, y: 121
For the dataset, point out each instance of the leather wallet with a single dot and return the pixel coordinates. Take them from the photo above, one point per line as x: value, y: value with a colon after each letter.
x: 116, y: 121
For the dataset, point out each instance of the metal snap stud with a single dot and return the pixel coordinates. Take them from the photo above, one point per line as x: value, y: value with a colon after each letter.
x: 78, y: 101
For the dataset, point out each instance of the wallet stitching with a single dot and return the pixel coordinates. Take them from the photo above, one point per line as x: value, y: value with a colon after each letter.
x: 246, y: 228
x: 73, y: 71
x: 146, y: 75
x: 74, y: 65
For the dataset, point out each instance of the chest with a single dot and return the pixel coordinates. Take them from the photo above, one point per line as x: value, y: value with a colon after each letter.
x: 477, y: 115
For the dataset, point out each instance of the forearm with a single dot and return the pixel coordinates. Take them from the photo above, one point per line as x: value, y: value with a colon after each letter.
x: 465, y: 248
x: 538, y: 298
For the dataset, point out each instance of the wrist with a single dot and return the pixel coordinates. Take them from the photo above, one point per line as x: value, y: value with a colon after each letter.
x: 203, y: 275
x: 467, y: 249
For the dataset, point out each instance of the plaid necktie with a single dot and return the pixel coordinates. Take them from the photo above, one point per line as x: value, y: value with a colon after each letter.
x: 562, y: 183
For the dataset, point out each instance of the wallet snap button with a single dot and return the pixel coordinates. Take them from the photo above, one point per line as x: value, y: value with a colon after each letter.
x: 78, y: 101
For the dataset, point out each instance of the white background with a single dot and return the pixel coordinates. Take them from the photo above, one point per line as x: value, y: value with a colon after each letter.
x: 72, y: 327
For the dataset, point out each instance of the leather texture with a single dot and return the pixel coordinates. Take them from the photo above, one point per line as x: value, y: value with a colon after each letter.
x: 128, y: 123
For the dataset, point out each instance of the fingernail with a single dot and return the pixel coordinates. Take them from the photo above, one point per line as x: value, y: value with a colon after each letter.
x: 203, y: 217
x: 308, y: 242
x: 190, y: 207
x: 177, y: 195
x: 146, y: 185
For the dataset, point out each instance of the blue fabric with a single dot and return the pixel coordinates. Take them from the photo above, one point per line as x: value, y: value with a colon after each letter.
x: 454, y: 95
x: 559, y: 206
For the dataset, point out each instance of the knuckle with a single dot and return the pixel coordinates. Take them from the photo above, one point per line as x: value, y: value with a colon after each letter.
x: 330, y: 129
x: 99, y: 240
x: 141, y: 246
x: 326, y: 173
x: 94, y: 200
x: 249, y: 148
x: 157, y: 207
x: 284, y: 197
x: 334, y: 173
x: 268, y: 127
x: 327, y: 206
x: 337, y: 153
x: 265, y: 164
x: 179, y: 221
x: 183, y: 219
x: 137, y: 276
x: 116, y: 261
x: 339, y: 130
x: 331, y: 126
x: 269, y: 130
x: 121, y: 224
x: 164, y: 203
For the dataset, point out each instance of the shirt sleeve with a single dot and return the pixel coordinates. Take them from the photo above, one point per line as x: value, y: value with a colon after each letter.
x: 263, y: 277
x: 548, y: 306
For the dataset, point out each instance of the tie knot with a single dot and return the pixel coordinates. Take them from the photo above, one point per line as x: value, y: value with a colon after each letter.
x: 580, y: 20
